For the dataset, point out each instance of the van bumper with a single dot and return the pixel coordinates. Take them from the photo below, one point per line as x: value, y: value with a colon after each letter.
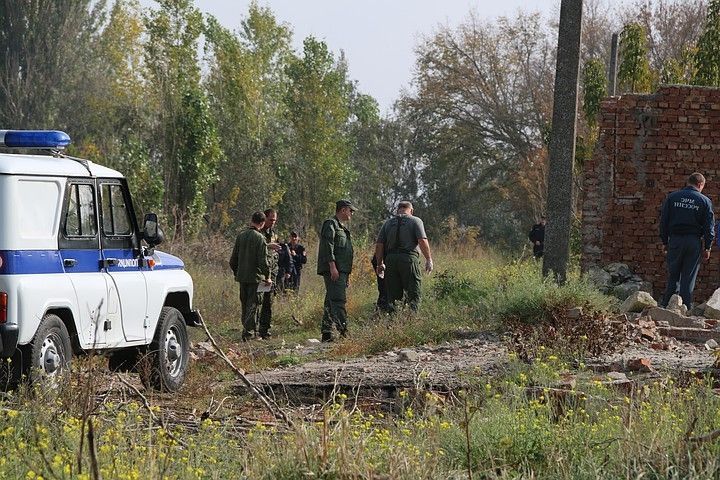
x: 8, y: 338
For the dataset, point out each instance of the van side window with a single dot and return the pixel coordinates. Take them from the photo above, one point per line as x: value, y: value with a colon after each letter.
x: 80, y: 220
x: 115, y: 214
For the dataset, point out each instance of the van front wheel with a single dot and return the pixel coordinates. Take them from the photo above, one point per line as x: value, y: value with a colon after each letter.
x: 165, y: 364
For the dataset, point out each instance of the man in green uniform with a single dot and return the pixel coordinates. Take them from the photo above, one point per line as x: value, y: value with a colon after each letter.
x: 273, y: 248
x: 250, y: 268
x: 396, y: 254
x: 335, y: 258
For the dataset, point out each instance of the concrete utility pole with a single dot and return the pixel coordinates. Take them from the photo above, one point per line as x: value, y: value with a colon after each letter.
x: 562, y: 141
x: 612, y: 80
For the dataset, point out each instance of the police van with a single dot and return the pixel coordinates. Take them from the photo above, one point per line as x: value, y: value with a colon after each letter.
x: 77, y: 272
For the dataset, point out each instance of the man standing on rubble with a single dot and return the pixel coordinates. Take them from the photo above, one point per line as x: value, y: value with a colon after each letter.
x: 687, y: 230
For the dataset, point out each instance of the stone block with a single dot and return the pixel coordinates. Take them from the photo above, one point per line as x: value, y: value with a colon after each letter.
x: 712, y: 306
x: 637, y: 302
x: 674, y: 319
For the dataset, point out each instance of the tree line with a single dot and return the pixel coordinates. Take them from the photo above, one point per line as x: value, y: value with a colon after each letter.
x: 210, y: 124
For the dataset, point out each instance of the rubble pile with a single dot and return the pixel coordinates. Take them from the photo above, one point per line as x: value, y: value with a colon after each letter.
x: 618, y: 280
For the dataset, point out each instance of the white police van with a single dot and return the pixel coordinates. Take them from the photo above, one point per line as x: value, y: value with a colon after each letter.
x: 74, y: 275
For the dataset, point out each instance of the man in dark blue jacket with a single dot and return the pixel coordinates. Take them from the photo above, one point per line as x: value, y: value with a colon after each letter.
x: 687, y: 230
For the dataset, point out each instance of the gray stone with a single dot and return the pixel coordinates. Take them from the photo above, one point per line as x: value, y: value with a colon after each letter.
x: 674, y: 303
x: 408, y: 355
x: 600, y: 278
x: 712, y: 307
x: 637, y: 302
x: 624, y: 290
x: 697, y: 310
x: 674, y: 319
x: 619, y: 272
x: 575, y: 313
x: 312, y: 342
x: 711, y: 344
x: 614, y: 376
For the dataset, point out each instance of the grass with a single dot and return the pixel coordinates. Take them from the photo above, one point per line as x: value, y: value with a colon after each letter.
x: 517, y: 424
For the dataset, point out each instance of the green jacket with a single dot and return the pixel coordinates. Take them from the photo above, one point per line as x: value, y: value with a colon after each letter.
x: 272, y: 255
x: 249, y: 259
x: 335, y: 245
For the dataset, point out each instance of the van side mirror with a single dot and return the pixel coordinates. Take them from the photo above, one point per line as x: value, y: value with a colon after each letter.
x: 152, y: 233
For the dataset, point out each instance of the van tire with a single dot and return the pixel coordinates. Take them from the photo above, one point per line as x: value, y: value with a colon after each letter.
x: 164, y: 366
x: 50, y: 349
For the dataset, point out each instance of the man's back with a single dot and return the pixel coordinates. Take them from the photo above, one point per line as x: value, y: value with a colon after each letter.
x: 686, y: 212
x: 401, y: 234
x: 249, y: 257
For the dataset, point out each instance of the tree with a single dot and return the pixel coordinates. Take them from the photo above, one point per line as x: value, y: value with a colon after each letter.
x: 188, y: 144
x: 707, y: 58
x: 37, y: 40
x: 634, y: 74
x: 247, y: 85
x: 482, y: 110
x: 594, y: 83
x: 318, y: 102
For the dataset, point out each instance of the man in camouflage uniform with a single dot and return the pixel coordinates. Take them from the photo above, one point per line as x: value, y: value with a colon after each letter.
x: 273, y: 248
x: 250, y: 268
x: 335, y: 258
x: 396, y: 254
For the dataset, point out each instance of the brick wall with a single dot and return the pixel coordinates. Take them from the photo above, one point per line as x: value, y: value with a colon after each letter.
x: 648, y: 146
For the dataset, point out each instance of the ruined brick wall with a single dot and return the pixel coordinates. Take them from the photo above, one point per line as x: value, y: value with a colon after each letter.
x: 648, y: 146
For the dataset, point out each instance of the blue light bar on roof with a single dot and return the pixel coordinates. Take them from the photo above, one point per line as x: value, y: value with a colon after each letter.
x: 34, y: 139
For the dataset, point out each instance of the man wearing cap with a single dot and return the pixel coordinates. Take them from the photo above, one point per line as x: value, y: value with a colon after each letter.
x: 249, y: 265
x: 397, y: 255
x: 335, y: 258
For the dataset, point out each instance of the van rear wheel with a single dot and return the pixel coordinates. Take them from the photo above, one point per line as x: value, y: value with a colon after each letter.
x: 164, y: 366
x: 50, y: 350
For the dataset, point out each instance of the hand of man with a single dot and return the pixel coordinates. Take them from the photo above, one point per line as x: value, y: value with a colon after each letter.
x: 706, y: 255
x: 268, y: 282
x: 287, y: 275
x: 274, y: 246
x: 537, y: 242
x: 334, y: 274
x: 380, y: 270
x: 428, y: 265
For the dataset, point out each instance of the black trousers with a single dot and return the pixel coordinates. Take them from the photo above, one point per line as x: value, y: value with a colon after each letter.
x: 683, y: 264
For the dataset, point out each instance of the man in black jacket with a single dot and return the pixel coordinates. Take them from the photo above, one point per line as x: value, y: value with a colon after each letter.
x: 299, y: 258
x: 537, y: 237
x: 687, y: 221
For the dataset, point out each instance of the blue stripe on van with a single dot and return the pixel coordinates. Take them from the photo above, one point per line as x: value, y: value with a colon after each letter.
x: 23, y: 262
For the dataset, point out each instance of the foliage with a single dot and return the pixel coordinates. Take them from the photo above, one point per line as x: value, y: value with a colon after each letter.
x: 187, y: 139
x: 36, y: 79
x: 594, y: 81
x: 634, y: 75
x: 318, y: 101
x: 246, y: 85
x: 481, y: 109
x: 707, y: 58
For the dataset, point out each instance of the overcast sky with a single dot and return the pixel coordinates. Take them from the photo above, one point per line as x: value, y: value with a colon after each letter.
x: 377, y: 36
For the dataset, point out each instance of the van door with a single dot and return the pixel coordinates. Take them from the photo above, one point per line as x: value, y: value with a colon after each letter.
x: 79, y: 245
x: 120, y: 242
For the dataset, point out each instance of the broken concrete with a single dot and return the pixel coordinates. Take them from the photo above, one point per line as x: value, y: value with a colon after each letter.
x: 712, y: 306
x: 637, y: 302
x: 674, y: 319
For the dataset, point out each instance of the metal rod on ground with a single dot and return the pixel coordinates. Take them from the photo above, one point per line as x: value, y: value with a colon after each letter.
x: 269, y: 403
